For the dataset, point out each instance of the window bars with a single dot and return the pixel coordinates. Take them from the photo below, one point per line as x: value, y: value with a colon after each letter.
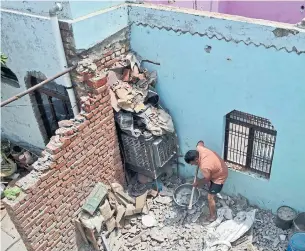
x: 53, y: 105
x: 249, y: 142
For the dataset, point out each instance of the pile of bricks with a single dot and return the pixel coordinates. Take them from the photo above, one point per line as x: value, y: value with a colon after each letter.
x: 83, y: 152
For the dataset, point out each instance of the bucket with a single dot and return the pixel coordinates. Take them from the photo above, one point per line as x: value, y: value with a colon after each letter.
x: 299, y: 223
x: 183, y: 193
x: 297, y: 242
x: 284, y: 217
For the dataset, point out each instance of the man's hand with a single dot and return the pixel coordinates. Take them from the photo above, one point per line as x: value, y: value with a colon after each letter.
x: 195, y: 184
x: 199, y: 182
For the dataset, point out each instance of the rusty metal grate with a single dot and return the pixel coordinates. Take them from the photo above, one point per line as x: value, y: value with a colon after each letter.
x: 249, y: 142
x: 148, y: 155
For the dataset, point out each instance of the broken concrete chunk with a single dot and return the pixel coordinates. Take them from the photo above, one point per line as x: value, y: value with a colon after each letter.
x: 163, y: 200
x: 145, y: 209
x: 120, y: 213
x: 241, y: 202
x: 133, y: 230
x: 282, y: 237
x: 156, y: 237
x: 276, y: 242
x: 110, y: 224
x: 106, y: 211
x: 140, y: 202
x: 125, y: 196
x: 153, y: 193
x: 129, y: 210
x: 148, y: 221
x: 117, y: 187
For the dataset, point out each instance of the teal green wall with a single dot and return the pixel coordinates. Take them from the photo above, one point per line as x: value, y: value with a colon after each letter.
x: 82, y: 8
x: 253, y: 66
x: 200, y: 88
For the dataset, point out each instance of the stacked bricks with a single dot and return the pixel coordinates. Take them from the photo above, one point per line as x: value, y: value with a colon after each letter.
x: 110, y: 57
x: 103, y: 55
x: 84, y: 151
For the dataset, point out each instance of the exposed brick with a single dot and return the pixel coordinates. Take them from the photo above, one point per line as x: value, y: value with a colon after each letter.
x: 52, y: 148
x: 44, y: 218
x: 100, y: 90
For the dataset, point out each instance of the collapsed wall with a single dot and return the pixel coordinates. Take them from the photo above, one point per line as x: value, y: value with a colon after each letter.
x: 84, y: 151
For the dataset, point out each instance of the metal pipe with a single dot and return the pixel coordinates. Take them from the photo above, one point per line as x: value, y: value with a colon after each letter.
x: 62, y: 56
x: 21, y: 94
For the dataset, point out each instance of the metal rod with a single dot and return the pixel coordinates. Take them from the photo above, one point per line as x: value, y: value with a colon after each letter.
x: 21, y: 94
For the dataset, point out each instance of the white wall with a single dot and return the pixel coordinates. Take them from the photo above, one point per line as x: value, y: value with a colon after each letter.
x: 28, y: 42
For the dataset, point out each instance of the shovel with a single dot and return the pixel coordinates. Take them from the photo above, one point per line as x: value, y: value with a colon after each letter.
x: 193, y: 190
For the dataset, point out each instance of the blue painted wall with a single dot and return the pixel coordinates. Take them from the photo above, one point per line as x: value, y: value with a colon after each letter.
x: 82, y: 8
x: 200, y: 88
x: 94, y: 29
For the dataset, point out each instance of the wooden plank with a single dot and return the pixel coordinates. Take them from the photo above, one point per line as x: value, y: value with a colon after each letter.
x: 81, y: 230
x: 91, y: 237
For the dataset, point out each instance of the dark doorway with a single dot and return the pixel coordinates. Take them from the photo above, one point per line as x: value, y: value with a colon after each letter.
x: 53, y: 104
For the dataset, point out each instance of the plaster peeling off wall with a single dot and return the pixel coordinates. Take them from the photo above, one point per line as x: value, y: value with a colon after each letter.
x: 201, y: 78
x: 25, y: 47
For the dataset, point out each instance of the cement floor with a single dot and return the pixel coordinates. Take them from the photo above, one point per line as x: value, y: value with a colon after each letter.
x: 10, y: 238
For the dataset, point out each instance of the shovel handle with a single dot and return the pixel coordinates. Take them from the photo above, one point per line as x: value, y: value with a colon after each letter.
x: 193, y: 190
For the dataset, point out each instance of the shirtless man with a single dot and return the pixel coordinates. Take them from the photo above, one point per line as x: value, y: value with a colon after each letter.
x: 214, y: 170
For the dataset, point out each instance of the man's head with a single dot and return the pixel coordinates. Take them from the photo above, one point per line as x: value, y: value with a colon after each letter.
x: 191, y: 157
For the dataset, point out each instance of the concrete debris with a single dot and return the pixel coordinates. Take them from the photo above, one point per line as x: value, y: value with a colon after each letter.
x: 164, y: 200
x: 130, y: 210
x: 276, y: 242
x: 132, y: 90
x: 110, y: 224
x: 157, y: 237
x: 140, y: 202
x: 106, y: 210
x: 153, y: 193
x: 282, y: 237
x: 165, y: 226
x: 148, y: 221
x: 125, y: 196
x: 120, y: 213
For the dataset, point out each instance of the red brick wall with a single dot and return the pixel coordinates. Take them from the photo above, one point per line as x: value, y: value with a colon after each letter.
x: 84, y: 151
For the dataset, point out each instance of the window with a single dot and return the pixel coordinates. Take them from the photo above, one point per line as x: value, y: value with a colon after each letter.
x: 9, y: 77
x: 249, y: 142
x: 53, y: 105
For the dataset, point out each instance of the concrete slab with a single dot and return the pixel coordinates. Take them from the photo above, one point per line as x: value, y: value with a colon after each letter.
x: 10, y: 238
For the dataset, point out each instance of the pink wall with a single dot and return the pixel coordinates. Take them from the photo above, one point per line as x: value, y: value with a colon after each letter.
x: 281, y: 11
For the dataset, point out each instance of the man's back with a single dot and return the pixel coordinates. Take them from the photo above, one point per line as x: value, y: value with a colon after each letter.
x: 212, y: 162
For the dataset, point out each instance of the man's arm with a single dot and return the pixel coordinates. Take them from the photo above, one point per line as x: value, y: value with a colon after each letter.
x: 206, y: 178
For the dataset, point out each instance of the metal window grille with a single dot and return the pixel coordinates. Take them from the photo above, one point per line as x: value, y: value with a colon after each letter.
x: 53, y: 104
x: 249, y: 142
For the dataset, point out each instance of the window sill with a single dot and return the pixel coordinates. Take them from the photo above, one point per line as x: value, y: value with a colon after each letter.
x: 240, y: 169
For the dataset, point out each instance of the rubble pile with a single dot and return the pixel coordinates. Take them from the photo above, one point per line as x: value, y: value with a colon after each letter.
x: 266, y: 234
x: 134, y: 99
x: 154, y: 222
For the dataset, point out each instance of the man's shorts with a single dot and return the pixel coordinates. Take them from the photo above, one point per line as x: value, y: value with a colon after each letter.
x: 215, y: 188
